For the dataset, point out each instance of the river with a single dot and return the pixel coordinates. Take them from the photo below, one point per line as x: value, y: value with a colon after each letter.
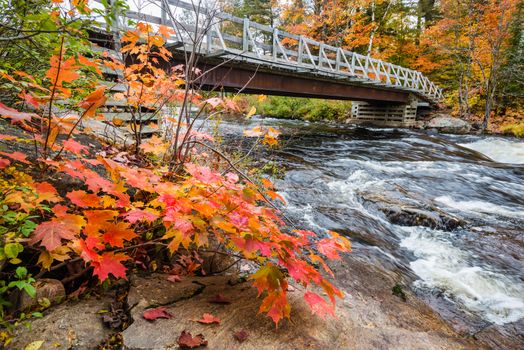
x: 336, y: 175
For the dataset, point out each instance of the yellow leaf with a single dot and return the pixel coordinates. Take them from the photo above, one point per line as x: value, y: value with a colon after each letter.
x: 34, y: 345
x: 117, y: 121
x: 251, y: 112
x: 255, y: 132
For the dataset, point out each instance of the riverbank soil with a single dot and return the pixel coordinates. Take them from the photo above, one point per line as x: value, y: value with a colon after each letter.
x: 370, y: 317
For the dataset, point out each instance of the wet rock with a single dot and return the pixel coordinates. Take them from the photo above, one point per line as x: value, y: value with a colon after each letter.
x: 509, y: 336
x: 447, y: 124
x: 407, y: 216
x: 72, y: 325
x: 351, y: 330
x: 47, y: 291
x: 404, y: 212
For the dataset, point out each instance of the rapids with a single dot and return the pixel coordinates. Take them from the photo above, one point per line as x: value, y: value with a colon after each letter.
x: 474, y: 272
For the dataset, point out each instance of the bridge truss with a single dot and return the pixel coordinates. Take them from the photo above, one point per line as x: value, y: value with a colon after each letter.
x: 213, y: 33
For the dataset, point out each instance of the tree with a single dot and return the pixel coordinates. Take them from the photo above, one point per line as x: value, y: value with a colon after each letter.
x: 511, y: 88
x: 260, y: 11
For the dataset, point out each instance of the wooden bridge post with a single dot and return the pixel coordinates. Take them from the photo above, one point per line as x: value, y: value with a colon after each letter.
x: 386, y: 115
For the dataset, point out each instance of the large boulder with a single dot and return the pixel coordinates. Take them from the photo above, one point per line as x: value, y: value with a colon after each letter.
x: 71, y: 325
x: 361, y: 323
x: 405, y: 211
x: 450, y: 125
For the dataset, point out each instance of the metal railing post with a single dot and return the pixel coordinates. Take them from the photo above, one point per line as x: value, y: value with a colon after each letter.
x: 300, y: 48
x: 320, y: 54
x: 275, y: 43
x: 245, y: 35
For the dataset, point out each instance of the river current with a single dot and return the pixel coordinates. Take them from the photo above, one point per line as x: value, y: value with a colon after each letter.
x: 474, y: 272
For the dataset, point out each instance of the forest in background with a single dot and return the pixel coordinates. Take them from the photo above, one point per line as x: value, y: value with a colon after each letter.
x: 473, y: 49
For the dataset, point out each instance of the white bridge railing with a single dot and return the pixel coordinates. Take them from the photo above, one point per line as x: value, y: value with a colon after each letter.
x: 237, y: 38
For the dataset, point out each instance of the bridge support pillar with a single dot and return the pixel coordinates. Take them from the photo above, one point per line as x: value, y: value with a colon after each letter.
x: 388, y: 115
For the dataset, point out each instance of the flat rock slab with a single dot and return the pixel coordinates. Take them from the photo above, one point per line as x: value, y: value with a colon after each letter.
x: 188, y: 300
x: 72, y: 325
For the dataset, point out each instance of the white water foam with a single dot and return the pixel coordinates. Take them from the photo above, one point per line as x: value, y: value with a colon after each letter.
x: 500, y: 150
x: 480, y: 207
x: 440, y: 264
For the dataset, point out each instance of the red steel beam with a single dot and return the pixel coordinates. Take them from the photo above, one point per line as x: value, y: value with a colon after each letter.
x: 277, y: 83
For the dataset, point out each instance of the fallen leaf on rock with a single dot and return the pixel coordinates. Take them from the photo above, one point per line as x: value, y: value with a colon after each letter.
x: 153, y: 314
x: 208, y: 319
x: 219, y: 299
x: 240, y: 336
x: 174, y: 278
x: 34, y: 345
x: 187, y: 341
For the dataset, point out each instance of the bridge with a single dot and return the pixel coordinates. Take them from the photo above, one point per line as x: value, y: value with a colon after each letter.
x: 237, y: 54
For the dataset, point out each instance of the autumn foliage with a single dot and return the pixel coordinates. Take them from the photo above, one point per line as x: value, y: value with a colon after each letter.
x: 77, y: 203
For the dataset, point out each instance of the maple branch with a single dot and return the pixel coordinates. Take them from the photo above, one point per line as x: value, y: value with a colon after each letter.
x: 53, y: 91
x: 228, y: 267
x: 247, y: 178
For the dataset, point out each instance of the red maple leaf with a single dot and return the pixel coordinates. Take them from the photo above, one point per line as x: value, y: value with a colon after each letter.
x: 187, y: 341
x: 209, y: 319
x: 96, y: 183
x: 136, y: 215
x: 241, y: 336
x: 84, y: 199
x: 203, y: 173
x: 159, y: 312
x: 51, y: 233
x: 319, y: 305
x: 46, y: 192
x: 330, y: 247
x: 16, y: 116
x: 74, y: 147
x: 7, y: 137
x: 4, y: 163
x: 109, y: 263
x: 19, y: 156
x: 174, y: 278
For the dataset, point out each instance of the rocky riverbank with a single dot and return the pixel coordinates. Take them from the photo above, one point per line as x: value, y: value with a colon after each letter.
x: 370, y: 317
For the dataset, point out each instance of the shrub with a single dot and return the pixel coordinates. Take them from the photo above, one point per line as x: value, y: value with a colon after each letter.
x: 514, y: 129
x: 303, y: 108
x: 154, y: 195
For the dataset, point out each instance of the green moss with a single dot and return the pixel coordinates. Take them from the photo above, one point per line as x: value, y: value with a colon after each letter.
x: 397, y: 291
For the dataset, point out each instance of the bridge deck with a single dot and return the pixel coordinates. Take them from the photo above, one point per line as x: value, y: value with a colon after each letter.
x: 285, y: 64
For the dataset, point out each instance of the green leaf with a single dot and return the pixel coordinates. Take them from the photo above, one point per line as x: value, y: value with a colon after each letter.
x: 30, y: 290
x: 27, y: 228
x: 37, y: 314
x: 15, y: 261
x: 12, y: 250
x: 21, y: 272
x: 18, y: 284
x: 48, y: 24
